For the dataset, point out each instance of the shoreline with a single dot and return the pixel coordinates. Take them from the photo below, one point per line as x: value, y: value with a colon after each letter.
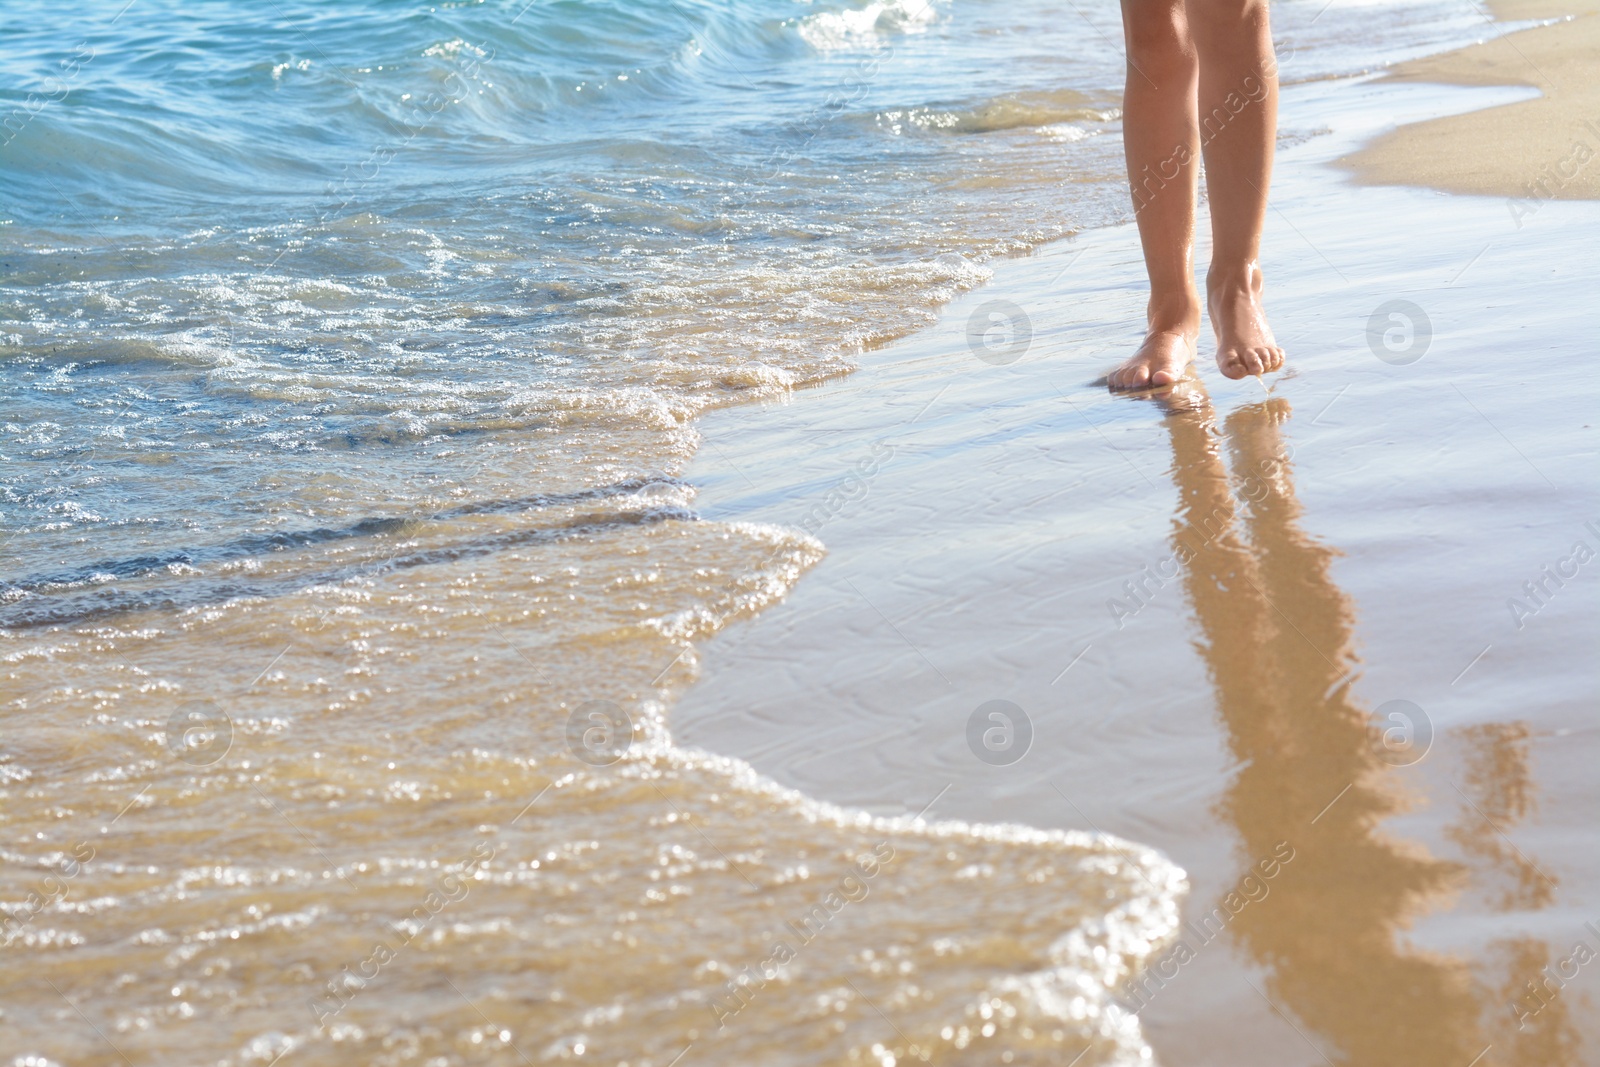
x: 1529, y: 151
x: 1018, y: 635
x: 977, y: 562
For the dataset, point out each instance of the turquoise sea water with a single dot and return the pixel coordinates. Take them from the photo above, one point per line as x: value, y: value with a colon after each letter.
x: 244, y: 230
x: 241, y: 230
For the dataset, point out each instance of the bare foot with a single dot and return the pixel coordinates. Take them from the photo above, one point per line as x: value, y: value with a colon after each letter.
x: 1167, y: 351
x: 1245, y: 344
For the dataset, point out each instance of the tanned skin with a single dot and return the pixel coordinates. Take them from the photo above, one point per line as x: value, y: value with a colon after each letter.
x: 1202, y: 83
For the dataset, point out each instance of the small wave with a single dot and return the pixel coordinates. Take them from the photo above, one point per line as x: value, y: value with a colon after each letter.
x: 279, y: 68
x: 1002, y: 113
x: 453, y: 47
x: 863, y: 27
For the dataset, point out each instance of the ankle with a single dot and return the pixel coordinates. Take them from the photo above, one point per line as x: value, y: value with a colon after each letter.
x: 1235, y: 276
x: 1175, y: 313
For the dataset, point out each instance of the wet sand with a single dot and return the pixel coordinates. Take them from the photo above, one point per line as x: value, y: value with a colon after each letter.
x: 1330, y: 649
x: 1530, y: 151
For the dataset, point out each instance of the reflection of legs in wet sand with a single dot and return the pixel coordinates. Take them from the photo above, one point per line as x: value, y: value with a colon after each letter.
x: 1277, y: 641
x: 1202, y: 80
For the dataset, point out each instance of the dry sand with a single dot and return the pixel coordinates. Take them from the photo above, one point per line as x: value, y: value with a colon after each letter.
x: 1542, y: 148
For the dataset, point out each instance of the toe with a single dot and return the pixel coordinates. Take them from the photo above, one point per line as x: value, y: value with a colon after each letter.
x: 1232, y: 365
x: 1251, y: 357
x: 1163, y: 377
x: 1275, y: 358
x: 1133, y: 377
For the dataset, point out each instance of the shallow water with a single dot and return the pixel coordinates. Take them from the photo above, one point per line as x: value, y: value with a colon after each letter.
x: 350, y: 360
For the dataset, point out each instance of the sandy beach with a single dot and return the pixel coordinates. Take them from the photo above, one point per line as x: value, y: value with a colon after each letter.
x: 1530, y: 151
x: 1347, y: 616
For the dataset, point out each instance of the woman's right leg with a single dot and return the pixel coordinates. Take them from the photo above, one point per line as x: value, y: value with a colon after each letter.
x: 1161, y: 136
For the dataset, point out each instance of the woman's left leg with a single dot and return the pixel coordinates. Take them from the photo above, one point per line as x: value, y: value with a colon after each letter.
x: 1238, y: 130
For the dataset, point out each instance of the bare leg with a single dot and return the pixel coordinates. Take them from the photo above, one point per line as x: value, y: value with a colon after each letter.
x: 1238, y: 130
x: 1162, y: 141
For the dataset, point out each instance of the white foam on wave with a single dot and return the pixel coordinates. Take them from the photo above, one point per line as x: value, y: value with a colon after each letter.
x: 1088, y: 959
x: 279, y: 68
x: 453, y: 47
x: 864, y: 26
